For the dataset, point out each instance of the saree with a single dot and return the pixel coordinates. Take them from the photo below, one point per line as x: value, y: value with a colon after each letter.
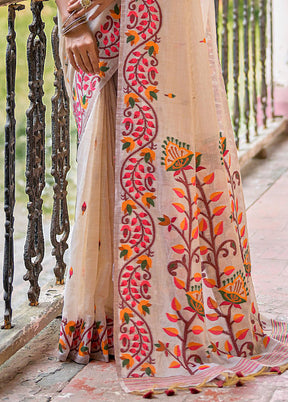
x: 160, y: 271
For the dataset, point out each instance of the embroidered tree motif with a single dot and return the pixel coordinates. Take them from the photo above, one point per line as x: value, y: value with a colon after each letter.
x: 202, y: 243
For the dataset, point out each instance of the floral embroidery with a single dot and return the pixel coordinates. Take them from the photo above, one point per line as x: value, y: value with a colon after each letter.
x: 108, y: 40
x: 85, y: 340
x: 139, y: 131
x: 200, y: 232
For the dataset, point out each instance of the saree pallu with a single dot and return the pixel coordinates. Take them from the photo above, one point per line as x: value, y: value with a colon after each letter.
x: 169, y: 231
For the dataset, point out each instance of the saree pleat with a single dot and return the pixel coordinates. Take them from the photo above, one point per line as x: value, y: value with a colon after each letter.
x: 175, y: 237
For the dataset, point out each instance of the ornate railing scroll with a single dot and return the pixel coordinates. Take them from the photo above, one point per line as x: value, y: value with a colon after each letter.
x: 35, y: 166
x: 9, y: 191
x: 60, y: 162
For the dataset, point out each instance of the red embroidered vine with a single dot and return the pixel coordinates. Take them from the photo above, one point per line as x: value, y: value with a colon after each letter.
x: 140, y: 128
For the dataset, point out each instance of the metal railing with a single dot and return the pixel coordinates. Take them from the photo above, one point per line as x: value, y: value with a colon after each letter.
x: 248, y: 33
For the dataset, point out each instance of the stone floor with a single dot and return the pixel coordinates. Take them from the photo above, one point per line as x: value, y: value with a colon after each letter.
x: 35, y: 374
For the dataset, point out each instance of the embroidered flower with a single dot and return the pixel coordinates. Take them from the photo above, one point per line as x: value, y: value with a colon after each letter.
x: 128, y: 144
x: 151, y: 93
x: 103, y: 68
x: 148, y: 199
x: 127, y: 360
x: 177, y: 155
x: 143, y: 307
x: 128, y: 206
x: 145, y: 262
x: 152, y: 48
x: 149, y: 154
x: 132, y: 37
x: 130, y: 99
x: 126, y: 251
x: 234, y: 292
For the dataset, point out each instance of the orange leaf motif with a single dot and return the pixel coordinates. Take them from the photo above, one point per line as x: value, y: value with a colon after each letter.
x: 210, y: 283
x: 176, y: 305
x: 179, y: 283
x: 238, y: 317
x: 194, y: 345
x: 266, y: 341
x: 171, y: 331
x: 229, y: 270
x: 242, y: 231
x: 197, y: 329
x: 212, y: 317
x: 209, y: 179
x: 203, y: 250
x: 174, y: 364
x: 216, y: 330
x: 203, y: 225
x: 241, y: 334
x: 179, y: 207
x: 218, y: 230
x: 219, y: 210
x: 211, y: 303
x: 195, y: 232
x: 177, y: 351
x: 172, y: 317
x: 184, y: 224
x: 179, y: 249
x: 240, y: 218
x: 216, y: 196
x: 228, y: 346
x: 179, y: 192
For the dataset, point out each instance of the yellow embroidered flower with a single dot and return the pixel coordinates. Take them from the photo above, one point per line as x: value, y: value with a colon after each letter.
x: 70, y: 327
x: 148, y: 368
x: 152, y: 48
x: 148, y: 199
x: 132, y: 37
x: 126, y: 251
x: 143, y: 307
x: 128, y: 144
x: 127, y: 206
x: 103, y: 68
x: 83, y: 350
x: 151, y: 93
x: 104, y: 347
x: 127, y: 360
x: 125, y: 314
x: 116, y: 12
x: 130, y: 99
x: 144, y: 261
x: 149, y: 154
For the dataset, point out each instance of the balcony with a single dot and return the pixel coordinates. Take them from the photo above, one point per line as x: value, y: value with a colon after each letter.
x: 41, y: 202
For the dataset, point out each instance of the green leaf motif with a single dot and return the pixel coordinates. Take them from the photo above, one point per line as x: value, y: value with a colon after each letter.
x: 130, y: 38
x: 132, y: 102
x: 104, y: 68
x: 126, y: 318
x: 60, y: 348
x: 117, y: 9
x: 123, y: 253
x: 143, y: 265
x: 151, y: 50
x: 129, y: 209
x: 198, y: 160
x: 153, y: 95
x: 146, y: 309
x: 72, y: 328
x: 84, y: 349
x: 98, y: 323
x: 125, y: 145
x: 147, y: 157
x: 150, y: 201
x: 125, y: 362
x: 148, y: 371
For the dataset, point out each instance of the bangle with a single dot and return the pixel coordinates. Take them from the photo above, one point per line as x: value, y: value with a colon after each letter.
x: 74, y: 24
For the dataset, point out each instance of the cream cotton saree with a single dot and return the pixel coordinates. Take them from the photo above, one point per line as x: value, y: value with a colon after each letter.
x: 160, y: 273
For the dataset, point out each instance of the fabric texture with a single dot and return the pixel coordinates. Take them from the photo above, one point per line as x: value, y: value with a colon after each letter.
x: 175, y: 248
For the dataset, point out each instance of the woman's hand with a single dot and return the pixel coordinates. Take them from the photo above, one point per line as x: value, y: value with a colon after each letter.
x: 82, y: 51
x: 74, y: 5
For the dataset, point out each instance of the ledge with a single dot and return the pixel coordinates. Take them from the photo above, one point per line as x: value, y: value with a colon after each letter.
x: 264, y: 139
x: 29, y: 321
